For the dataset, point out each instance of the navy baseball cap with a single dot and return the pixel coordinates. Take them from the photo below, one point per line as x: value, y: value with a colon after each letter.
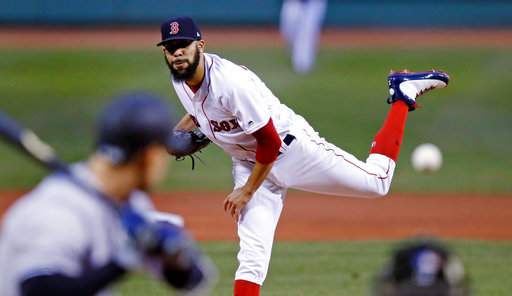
x: 130, y: 123
x: 179, y: 28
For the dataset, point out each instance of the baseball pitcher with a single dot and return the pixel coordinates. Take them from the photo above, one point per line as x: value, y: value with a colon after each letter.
x: 272, y: 147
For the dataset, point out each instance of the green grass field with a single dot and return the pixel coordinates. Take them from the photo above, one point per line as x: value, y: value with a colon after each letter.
x: 59, y: 93
x: 342, y: 269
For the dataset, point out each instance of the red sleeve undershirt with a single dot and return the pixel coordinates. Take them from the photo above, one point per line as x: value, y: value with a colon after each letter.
x: 268, y: 143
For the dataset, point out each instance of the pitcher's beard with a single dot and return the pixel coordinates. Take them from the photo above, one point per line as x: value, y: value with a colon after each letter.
x: 188, y: 72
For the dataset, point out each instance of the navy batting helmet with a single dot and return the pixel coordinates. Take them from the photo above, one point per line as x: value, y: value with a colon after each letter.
x: 131, y: 122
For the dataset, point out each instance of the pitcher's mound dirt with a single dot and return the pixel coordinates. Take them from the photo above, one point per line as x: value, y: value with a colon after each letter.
x: 317, y: 217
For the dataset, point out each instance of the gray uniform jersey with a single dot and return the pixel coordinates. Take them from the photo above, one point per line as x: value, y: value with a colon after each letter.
x: 58, y: 228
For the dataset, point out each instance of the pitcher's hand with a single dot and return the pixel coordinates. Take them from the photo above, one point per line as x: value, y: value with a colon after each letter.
x: 236, y: 202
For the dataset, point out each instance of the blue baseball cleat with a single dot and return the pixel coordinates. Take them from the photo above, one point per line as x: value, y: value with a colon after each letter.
x: 408, y: 86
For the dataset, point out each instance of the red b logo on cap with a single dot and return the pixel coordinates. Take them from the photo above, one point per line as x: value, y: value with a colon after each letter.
x: 175, y: 28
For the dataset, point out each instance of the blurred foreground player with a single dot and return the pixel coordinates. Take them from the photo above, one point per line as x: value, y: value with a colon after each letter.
x: 78, y: 233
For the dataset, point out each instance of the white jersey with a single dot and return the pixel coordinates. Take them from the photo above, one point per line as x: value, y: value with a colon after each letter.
x: 231, y: 104
x: 58, y: 228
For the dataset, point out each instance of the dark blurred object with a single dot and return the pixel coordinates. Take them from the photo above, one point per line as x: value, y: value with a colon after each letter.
x: 422, y: 268
x: 187, y: 143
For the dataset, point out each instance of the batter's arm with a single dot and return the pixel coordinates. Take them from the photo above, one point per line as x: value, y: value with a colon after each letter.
x: 89, y: 283
x: 186, y: 124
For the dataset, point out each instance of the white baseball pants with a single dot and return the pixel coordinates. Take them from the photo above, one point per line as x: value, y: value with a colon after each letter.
x: 308, y: 163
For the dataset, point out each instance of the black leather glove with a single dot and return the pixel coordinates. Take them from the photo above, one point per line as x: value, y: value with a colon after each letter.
x: 183, y: 143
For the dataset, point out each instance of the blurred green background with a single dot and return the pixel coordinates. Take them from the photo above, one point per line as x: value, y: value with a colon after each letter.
x: 59, y: 93
x: 341, y: 268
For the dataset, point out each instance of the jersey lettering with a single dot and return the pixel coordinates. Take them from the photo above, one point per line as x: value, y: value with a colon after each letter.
x: 216, y: 126
x: 224, y: 125
x: 234, y: 123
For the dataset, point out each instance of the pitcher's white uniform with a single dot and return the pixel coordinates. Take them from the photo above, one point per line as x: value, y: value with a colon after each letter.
x: 58, y: 228
x: 232, y: 103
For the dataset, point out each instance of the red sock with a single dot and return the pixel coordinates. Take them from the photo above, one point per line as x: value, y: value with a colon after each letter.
x: 246, y: 288
x: 388, y: 139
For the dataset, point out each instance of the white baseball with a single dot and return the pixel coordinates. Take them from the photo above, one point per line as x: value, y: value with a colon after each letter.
x: 426, y: 158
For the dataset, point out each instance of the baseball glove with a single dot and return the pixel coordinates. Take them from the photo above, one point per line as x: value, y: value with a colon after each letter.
x: 183, y: 144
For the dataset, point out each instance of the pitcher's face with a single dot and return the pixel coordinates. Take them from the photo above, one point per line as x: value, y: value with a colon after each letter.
x: 182, y: 58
